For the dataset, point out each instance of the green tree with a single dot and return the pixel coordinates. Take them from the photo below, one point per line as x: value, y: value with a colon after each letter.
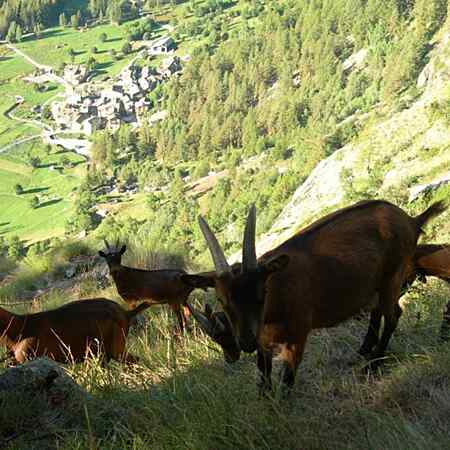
x: 66, y: 162
x: 18, y: 33
x: 74, y: 21
x: 103, y: 37
x: 16, y: 248
x: 12, y: 32
x: 34, y: 202
x: 126, y: 48
x: 18, y: 189
x: 34, y: 160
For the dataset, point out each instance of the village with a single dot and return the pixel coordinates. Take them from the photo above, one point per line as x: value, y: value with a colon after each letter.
x: 87, y: 107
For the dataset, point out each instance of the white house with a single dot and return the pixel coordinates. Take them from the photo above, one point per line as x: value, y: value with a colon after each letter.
x: 162, y: 45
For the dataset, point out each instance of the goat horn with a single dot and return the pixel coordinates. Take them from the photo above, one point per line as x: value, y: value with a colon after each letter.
x: 202, y: 320
x: 220, y: 262
x: 248, y: 245
x: 219, y: 326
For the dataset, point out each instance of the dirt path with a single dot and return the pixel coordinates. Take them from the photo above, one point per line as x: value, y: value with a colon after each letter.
x: 19, y: 141
x: 47, y: 69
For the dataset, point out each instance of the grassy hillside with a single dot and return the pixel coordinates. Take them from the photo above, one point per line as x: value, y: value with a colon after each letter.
x: 52, y: 49
x: 264, y: 112
x: 181, y: 396
x: 50, y: 182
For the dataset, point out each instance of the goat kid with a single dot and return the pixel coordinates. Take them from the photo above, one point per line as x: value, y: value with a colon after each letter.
x: 70, y: 332
x: 155, y: 286
x: 323, y: 275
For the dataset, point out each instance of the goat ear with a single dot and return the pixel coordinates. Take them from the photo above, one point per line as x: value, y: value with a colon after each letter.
x: 123, y: 249
x: 198, y: 281
x: 102, y: 254
x: 277, y: 264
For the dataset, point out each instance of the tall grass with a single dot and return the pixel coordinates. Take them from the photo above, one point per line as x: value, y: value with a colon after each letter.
x: 180, y: 395
x: 36, y: 272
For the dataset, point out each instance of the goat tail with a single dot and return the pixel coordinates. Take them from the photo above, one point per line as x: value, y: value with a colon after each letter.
x: 134, y: 312
x: 434, y: 210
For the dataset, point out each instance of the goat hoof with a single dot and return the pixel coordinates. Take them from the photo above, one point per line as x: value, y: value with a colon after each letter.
x: 366, y: 350
x: 265, y: 389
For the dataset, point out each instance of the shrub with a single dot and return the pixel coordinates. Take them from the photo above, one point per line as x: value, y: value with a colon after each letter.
x: 16, y: 249
x: 103, y: 37
x: 34, y: 161
x: 18, y: 189
x: 34, y: 202
x: 126, y: 48
x: 202, y: 169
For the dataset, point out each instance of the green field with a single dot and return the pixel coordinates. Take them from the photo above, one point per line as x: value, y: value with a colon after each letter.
x: 53, y: 47
x: 52, y: 187
x: 12, y: 68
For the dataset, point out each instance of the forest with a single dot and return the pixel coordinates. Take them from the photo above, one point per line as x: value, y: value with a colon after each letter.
x: 277, y: 88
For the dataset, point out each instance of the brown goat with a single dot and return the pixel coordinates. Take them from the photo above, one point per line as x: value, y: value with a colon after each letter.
x: 429, y: 260
x: 433, y: 260
x: 69, y: 332
x: 218, y: 328
x: 323, y: 275
x: 155, y: 286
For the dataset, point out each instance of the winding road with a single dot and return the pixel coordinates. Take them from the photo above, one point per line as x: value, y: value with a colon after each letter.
x: 48, y: 134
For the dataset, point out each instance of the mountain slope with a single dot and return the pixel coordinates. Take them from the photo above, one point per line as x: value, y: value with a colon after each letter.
x: 403, y: 151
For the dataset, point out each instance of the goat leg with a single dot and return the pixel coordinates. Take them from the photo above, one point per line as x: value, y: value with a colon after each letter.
x: 390, y: 324
x: 264, y: 362
x: 291, y: 356
x: 373, y: 331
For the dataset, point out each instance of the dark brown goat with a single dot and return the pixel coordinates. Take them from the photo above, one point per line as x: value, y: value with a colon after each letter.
x: 323, y: 275
x: 217, y: 327
x: 69, y: 332
x: 429, y: 260
x: 155, y: 286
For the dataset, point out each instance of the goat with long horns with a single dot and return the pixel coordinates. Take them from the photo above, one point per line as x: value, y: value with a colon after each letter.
x: 323, y: 275
x: 429, y: 260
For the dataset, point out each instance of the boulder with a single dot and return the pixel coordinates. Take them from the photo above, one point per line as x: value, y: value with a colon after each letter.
x: 44, y: 377
x: 38, y: 399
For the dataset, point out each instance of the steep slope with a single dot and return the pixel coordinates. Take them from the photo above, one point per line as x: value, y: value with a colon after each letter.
x: 401, y: 154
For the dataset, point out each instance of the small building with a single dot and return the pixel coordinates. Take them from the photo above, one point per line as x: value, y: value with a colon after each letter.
x: 162, y: 45
x: 169, y: 66
x: 75, y: 74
